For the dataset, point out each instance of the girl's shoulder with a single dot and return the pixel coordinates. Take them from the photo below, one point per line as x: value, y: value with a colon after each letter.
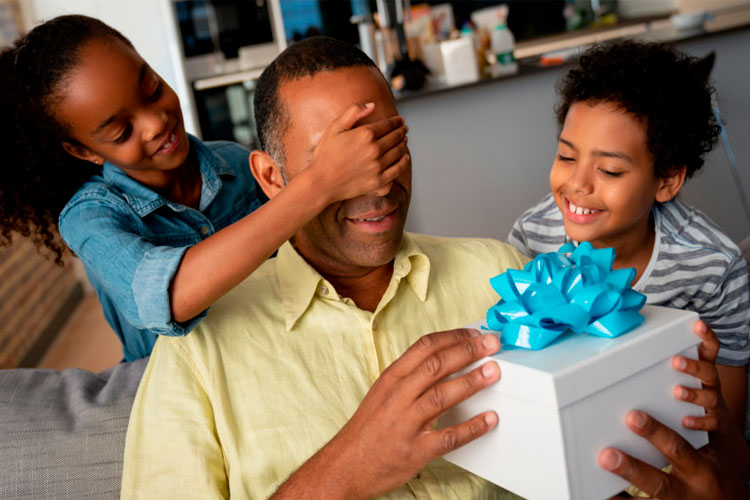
x: 95, y: 193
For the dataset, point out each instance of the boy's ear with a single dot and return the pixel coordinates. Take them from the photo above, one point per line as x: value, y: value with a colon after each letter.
x: 266, y: 172
x: 81, y: 152
x: 669, y: 186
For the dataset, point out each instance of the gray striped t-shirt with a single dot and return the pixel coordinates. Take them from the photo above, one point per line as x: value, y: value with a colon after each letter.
x: 693, y: 266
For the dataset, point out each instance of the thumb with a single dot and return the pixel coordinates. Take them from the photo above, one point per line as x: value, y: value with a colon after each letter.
x: 352, y: 115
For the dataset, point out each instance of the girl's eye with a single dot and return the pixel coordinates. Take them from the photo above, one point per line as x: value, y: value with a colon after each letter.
x: 564, y: 158
x: 157, y: 93
x: 124, y: 136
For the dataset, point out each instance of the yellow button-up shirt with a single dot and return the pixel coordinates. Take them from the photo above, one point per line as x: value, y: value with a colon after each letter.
x: 282, y: 362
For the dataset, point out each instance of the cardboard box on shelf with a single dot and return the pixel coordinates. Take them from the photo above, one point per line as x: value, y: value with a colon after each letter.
x: 560, y: 406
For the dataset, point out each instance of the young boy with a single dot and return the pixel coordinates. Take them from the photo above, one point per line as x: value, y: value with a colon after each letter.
x: 636, y: 123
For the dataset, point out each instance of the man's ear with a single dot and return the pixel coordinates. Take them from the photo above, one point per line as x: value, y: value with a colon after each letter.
x: 266, y: 172
x: 82, y: 152
x: 669, y: 186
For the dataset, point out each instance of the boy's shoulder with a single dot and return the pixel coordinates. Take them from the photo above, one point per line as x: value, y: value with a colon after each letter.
x: 545, y: 210
x: 687, y: 227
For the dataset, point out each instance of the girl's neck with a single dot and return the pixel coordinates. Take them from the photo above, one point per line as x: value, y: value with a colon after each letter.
x: 182, y: 185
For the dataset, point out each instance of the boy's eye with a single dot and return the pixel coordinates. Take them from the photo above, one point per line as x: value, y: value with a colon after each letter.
x: 564, y: 158
x: 610, y: 173
x: 157, y: 93
x: 124, y: 136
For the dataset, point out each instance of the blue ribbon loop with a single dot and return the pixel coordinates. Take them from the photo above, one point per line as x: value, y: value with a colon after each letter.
x: 555, y: 293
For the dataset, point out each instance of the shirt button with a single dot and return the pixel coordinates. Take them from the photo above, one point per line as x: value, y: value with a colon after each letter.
x: 204, y: 230
x: 374, y: 325
x: 324, y: 290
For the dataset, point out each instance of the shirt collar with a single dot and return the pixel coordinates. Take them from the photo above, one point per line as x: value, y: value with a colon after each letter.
x: 143, y: 200
x: 300, y: 283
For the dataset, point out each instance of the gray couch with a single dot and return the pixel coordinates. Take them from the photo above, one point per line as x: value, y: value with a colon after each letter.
x: 62, y: 433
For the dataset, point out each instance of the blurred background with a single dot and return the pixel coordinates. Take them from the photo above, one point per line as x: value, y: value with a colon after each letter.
x: 473, y: 78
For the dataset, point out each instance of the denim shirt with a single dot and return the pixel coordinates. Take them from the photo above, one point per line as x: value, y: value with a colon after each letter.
x: 131, y: 239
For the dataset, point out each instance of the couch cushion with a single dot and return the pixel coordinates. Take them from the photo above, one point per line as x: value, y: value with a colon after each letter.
x: 62, y: 433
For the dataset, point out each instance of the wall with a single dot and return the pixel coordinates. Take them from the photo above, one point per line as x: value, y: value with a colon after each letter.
x: 36, y: 297
x: 482, y: 154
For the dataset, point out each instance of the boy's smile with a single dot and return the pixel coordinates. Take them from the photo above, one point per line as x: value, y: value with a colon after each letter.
x: 603, y: 178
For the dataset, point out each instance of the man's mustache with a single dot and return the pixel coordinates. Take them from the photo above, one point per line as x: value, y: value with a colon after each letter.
x: 373, y: 206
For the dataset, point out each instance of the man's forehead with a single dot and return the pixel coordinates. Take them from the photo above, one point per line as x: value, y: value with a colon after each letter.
x: 327, y: 94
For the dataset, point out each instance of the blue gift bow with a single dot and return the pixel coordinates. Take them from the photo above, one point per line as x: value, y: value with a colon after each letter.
x: 555, y: 293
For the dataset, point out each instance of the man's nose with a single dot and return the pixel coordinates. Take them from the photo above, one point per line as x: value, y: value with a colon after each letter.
x: 382, y: 190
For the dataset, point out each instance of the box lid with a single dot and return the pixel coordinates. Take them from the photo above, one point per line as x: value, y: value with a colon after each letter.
x: 575, y: 366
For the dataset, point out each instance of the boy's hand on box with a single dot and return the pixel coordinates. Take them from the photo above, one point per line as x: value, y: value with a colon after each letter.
x: 709, y: 397
x: 351, y: 161
x: 696, y: 474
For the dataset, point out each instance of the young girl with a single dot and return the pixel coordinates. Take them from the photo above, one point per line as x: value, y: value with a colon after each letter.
x: 636, y: 123
x: 163, y: 223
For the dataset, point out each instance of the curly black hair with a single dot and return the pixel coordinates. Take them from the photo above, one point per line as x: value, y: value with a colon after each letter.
x: 667, y: 89
x: 301, y: 59
x: 37, y: 176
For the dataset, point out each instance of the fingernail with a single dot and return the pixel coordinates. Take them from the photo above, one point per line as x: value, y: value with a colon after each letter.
x: 407, y: 157
x: 491, y: 419
x: 490, y: 341
x: 680, y: 362
x: 638, y: 419
x: 489, y: 370
x: 682, y: 393
x: 369, y: 104
x: 688, y: 422
x: 701, y: 327
x: 610, y: 460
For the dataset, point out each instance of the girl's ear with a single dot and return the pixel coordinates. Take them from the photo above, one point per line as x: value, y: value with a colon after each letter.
x: 671, y: 185
x: 266, y: 172
x: 82, y: 152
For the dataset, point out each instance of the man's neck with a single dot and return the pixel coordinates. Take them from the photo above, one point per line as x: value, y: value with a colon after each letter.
x: 364, y: 289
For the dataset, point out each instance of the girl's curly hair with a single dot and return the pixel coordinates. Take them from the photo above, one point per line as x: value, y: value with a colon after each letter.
x: 666, y: 89
x: 37, y: 176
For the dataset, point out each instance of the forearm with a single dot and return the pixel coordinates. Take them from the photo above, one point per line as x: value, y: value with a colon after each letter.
x: 217, y: 264
x: 734, y: 390
x: 319, y: 478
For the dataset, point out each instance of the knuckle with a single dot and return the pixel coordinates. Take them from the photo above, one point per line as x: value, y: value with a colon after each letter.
x: 436, y: 398
x: 712, y: 400
x: 470, y: 349
x: 476, y: 428
x: 432, y: 366
x: 449, y: 440
x: 661, y: 487
x: 471, y: 383
x: 425, y: 343
x: 367, y: 135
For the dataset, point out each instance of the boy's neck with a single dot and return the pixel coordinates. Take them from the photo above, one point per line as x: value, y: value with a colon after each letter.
x: 634, y: 250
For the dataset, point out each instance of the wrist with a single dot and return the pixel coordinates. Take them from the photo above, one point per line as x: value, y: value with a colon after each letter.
x: 310, y: 190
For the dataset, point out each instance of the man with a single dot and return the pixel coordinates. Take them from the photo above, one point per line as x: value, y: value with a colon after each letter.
x: 301, y: 382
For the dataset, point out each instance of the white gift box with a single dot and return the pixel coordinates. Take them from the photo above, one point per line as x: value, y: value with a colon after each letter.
x: 560, y: 406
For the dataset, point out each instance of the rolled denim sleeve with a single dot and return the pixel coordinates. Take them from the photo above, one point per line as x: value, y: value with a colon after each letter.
x: 135, y: 273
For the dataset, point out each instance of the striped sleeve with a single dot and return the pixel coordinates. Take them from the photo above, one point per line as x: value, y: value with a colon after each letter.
x: 727, y: 312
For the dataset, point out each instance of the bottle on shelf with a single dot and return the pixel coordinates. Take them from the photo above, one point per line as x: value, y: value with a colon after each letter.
x: 502, y: 43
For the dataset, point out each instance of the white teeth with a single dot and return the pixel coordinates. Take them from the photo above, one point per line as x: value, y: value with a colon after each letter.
x: 374, y: 219
x: 580, y: 210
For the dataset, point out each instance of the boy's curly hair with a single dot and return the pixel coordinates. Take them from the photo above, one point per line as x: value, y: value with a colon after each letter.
x: 37, y: 177
x: 667, y: 89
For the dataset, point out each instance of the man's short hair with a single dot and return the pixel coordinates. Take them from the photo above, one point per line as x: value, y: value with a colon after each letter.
x: 302, y: 59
